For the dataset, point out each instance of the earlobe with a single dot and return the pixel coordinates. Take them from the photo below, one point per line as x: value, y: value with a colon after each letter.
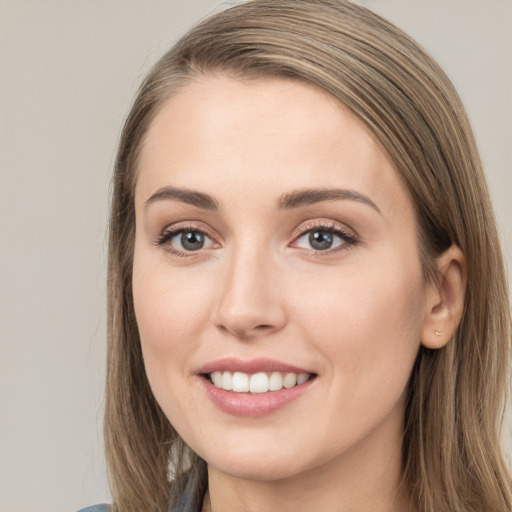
x: 445, y: 299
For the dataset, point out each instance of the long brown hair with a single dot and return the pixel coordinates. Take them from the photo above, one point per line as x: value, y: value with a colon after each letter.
x: 451, y: 443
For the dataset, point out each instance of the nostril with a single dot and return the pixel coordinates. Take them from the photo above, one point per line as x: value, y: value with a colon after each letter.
x: 243, y: 332
x: 263, y: 327
x: 246, y: 320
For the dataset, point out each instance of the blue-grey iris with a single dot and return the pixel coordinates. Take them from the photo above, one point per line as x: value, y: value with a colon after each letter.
x: 192, y: 240
x: 320, y: 240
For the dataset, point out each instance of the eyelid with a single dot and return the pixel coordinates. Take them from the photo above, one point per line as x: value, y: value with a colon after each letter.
x: 327, y: 225
x: 172, y: 230
x: 350, y: 237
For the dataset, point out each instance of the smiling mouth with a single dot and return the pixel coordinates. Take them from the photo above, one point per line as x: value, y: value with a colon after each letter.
x: 257, y: 383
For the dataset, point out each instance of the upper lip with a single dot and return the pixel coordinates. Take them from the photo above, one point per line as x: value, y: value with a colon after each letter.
x: 233, y: 364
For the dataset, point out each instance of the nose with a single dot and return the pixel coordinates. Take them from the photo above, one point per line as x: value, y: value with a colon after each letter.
x: 251, y: 299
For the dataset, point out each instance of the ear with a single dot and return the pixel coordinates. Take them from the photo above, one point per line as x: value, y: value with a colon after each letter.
x: 445, y: 299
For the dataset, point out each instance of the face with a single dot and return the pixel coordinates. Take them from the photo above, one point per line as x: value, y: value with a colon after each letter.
x: 275, y: 248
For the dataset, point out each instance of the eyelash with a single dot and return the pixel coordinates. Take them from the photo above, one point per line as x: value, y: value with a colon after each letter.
x: 349, y: 240
x: 169, y: 233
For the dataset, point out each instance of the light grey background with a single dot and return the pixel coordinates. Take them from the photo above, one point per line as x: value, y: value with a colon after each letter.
x: 68, y: 71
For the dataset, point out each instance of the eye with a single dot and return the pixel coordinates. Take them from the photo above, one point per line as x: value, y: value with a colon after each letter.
x: 324, y: 239
x: 190, y: 240
x: 182, y: 241
x: 319, y: 240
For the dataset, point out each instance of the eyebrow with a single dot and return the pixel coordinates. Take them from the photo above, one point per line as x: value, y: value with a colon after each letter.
x: 291, y: 200
x: 191, y: 197
x: 312, y: 196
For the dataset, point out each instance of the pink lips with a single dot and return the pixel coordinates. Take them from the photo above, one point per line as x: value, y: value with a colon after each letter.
x: 232, y: 364
x: 246, y: 404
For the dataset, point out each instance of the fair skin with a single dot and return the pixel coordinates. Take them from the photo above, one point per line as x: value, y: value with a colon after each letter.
x: 330, y: 284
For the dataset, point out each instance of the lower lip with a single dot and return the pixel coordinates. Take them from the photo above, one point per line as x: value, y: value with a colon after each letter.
x: 253, y: 405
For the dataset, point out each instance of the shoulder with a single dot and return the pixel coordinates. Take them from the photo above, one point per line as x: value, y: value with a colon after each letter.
x: 96, y: 508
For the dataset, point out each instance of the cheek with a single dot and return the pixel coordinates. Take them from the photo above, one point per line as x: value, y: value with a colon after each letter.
x: 170, y: 310
x: 367, y: 324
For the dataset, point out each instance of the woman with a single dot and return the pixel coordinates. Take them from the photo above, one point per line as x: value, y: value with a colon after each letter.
x: 307, y: 300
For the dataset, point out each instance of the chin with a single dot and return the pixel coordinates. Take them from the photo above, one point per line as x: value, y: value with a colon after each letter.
x: 260, y: 461
x: 258, y: 471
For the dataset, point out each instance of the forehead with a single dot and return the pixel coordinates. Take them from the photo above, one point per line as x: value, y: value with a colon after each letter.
x: 225, y: 134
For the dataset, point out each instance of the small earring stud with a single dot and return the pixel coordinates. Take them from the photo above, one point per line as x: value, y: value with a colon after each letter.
x: 439, y: 333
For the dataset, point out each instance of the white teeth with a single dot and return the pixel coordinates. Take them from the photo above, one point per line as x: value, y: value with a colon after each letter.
x: 217, y: 379
x: 275, y: 383
x: 260, y: 382
x: 290, y: 380
x: 227, y: 381
x: 301, y: 378
x: 240, y: 382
